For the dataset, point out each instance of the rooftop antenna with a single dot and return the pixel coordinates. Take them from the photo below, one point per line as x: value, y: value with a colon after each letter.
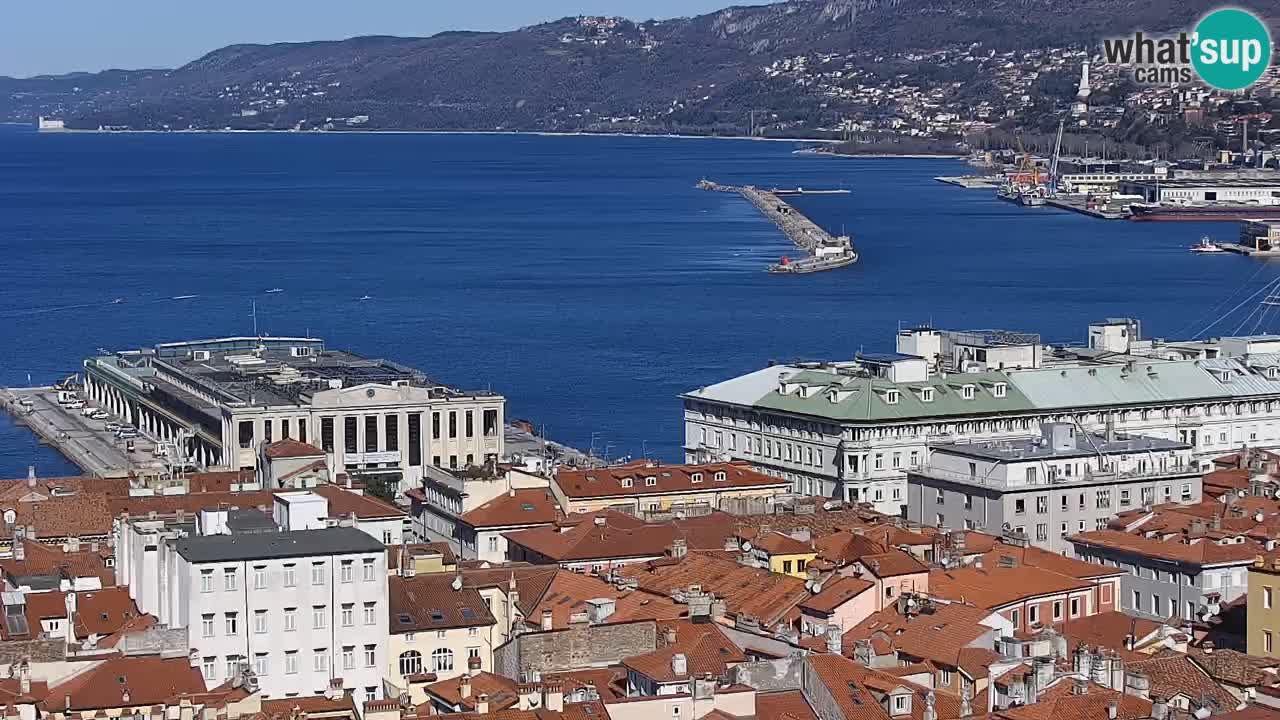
x: 254, y: 312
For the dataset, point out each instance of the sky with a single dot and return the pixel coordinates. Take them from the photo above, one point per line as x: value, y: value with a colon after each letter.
x: 70, y: 35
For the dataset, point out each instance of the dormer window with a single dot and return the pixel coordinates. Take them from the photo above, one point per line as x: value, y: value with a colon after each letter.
x: 1273, y: 372
x: 650, y: 481
x: 926, y: 395
x: 626, y: 482
x: 720, y: 476
x: 696, y: 477
x: 968, y: 392
x: 999, y: 389
x: 892, y: 397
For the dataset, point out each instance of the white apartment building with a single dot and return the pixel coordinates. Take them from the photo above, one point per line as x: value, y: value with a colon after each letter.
x: 227, y: 398
x: 851, y: 430
x: 1050, y: 486
x: 299, y: 606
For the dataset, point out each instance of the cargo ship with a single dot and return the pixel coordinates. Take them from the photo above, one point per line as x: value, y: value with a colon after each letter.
x: 1209, y: 212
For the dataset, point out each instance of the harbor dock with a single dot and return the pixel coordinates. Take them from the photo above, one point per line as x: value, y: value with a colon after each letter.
x: 79, y: 439
x: 972, y: 182
x: 1248, y: 251
x: 1077, y: 203
x: 823, y: 250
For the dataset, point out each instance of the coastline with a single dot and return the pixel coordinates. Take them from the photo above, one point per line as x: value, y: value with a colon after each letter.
x: 540, y: 133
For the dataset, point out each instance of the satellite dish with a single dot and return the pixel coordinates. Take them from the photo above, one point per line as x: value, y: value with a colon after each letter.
x: 457, y: 582
x: 746, y: 546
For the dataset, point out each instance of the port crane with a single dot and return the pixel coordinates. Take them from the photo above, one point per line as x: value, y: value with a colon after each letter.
x: 1053, y: 162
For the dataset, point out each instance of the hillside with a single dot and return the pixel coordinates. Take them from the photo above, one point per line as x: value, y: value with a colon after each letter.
x: 699, y: 74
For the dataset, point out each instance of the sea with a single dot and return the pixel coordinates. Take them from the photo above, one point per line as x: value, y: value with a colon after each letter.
x: 583, y: 277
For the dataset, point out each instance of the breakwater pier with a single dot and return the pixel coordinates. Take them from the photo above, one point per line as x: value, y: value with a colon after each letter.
x: 823, y: 251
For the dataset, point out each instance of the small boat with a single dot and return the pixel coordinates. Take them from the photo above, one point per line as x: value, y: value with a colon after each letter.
x: 275, y: 290
x: 182, y: 297
x: 1207, y: 246
x: 366, y: 297
x: 117, y: 301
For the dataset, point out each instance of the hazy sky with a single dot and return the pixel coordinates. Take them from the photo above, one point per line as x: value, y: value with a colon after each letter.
x: 38, y: 37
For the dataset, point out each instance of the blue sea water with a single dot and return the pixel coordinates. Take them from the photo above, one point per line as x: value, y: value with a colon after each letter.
x: 583, y: 277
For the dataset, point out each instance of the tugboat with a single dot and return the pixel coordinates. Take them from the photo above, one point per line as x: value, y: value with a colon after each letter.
x: 1207, y: 246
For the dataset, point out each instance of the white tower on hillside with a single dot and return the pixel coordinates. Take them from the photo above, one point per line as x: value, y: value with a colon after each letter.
x: 1081, y: 105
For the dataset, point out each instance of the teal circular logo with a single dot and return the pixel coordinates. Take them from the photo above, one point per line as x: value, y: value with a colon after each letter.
x: 1231, y: 49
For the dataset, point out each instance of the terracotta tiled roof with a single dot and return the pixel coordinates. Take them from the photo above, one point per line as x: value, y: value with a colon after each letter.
x: 503, y: 692
x: 1036, y: 557
x: 429, y: 602
x: 1235, y: 668
x: 610, y: 481
x: 745, y: 590
x: 313, y: 706
x: 1174, y: 673
x: 858, y: 690
x: 1229, y: 480
x: 892, y: 564
x: 148, y: 679
x: 996, y: 587
x: 516, y: 508
x: 938, y: 636
x: 1252, y: 712
x: 341, y: 502
x: 218, y: 480
x: 705, y: 647
x: 609, y: 682
x: 1059, y: 702
x: 786, y: 705
x: 569, y: 592
x: 11, y: 692
x: 1197, y: 552
x: 836, y: 592
x: 288, y: 448
x: 19, y: 491
x: 40, y: 559
x: 365, y: 507
x: 83, y: 515
x: 615, y: 538
x: 1105, y: 630
x: 101, y: 612
x: 847, y: 546
x: 775, y: 543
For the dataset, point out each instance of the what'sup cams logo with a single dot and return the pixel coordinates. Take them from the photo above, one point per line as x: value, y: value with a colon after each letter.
x: 1229, y: 49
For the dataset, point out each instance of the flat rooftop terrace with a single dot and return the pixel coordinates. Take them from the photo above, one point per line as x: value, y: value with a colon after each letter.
x: 1038, y: 448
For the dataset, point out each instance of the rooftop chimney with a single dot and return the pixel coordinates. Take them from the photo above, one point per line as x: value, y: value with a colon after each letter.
x: 679, y: 665
x: 31, y: 476
x: 547, y: 622
x: 482, y: 704
x: 464, y: 686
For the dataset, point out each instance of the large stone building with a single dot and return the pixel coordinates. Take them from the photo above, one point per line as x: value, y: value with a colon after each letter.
x: 225, y: 399
x: 851, y: 430
x: 1049, y: 486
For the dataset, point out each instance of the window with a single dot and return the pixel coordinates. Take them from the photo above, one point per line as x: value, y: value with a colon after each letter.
x: 317, y: 573
x: 290, y: 580
x: 926, y: 395
x: 1186, y: 492
x: 290, y: 619
x: 346, y: 570
x: 1042, y: 504
x: 879, y: 461
x: 442, y: 660
x: 786, y: 566
x: 232, y: 623
x: 1266, y: 641
x: 940, y: 496
x: 370, y: 655
x: 326, y: 434
x: 941, y: 520
x: 944, y: 676
x: 208, y: 666
x: 291, y: 662
x: 967, y: 392
x: 1137, y: 600
x: 1075, y: 607
x: 1266, y: 597
x: 695, y: 477
x: 260, y: 577
x: 1125, y: 498
x: 1013, y: 616
x: 892, y: 397
x: 1033, y: 614
x: 370, y: 616
x: 650, y: 481
x: 206, y: 625
x: 473, y: 652
x: 900, y: 703
x: 1103, y: 499
x: 206, y: 581
x: 1064, y: 501
x: 1057, y: 610
x: 897, y: 460
x: 348, y: 615
x: 320, y: 660
x: 999, y: 389
x: 411, y: 662
x: 260, y: 665
x: 627, y: 482
x: 1042, y: 531
x: 233, y: 665
x: 260, y: 621
x: 370, y: 433
x: 453, y: 425
x: 1020, y: 506
x: 348, y: 657
x: 369, y: 570
x: 318, y: 615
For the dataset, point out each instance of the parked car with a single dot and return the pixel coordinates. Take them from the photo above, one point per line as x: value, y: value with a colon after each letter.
x: 99, y: 414
x: 113, y: 427
x: 26, y: 402
x: 126, y: 433
x: 75, y: 405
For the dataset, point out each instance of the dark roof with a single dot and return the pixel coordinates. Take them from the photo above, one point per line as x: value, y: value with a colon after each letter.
x: 299, y: 543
